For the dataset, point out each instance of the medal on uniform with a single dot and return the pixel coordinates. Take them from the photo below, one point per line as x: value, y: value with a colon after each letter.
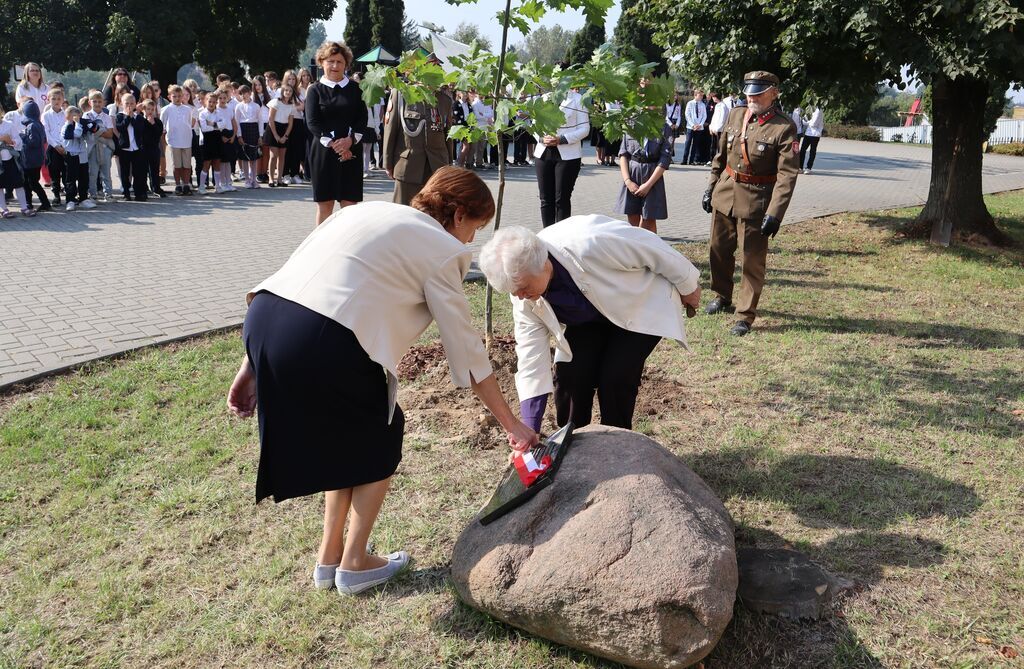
x: 760, y: 147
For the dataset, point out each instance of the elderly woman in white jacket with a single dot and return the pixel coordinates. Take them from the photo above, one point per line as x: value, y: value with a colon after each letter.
x: 323, y: 338
x: 606, y: 293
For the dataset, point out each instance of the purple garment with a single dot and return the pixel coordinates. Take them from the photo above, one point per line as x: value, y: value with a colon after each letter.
x: 571, y: 308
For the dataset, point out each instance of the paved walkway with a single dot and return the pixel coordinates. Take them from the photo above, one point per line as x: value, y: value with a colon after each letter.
x: 78, y: 286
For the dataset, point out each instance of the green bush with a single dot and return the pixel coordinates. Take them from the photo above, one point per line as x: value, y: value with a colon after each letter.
x: 859, y: 132
x: 1011, y: 149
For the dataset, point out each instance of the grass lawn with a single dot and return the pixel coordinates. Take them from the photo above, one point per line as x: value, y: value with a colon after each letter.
x: 873, y: 419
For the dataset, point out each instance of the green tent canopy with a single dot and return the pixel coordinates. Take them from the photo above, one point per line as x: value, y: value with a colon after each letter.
x: 378, y: 55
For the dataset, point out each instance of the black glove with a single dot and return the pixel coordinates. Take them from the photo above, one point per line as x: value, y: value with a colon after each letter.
x: 706, y: 201
x: 770, y: 226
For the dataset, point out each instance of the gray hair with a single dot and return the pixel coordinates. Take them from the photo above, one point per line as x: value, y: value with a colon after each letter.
x: 512, y: 255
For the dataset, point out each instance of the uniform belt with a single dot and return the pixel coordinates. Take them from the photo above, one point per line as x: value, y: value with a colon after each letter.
x: 742, y: 178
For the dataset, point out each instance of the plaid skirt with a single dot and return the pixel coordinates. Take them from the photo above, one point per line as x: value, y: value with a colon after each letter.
x: 249, y: 149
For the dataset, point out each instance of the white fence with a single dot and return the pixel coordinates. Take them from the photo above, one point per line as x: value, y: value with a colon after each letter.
x: 1007, y: 130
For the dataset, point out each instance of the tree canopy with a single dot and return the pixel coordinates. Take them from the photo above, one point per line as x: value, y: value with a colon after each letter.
x: 155, y: 36
x: 835, y: 53
x: 546, y: 45
x: 358, y: 27
x: 388, y: 19
x: 468, y: 32
x: 632, y: 31
x: 584, y: 42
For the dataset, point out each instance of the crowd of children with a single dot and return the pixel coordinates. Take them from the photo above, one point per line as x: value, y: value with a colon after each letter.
x: 253, y: 133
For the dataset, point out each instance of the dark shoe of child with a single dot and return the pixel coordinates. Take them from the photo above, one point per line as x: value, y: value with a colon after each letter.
x: 262, y: 178
x: 178, y: 190
x: 187, y: 190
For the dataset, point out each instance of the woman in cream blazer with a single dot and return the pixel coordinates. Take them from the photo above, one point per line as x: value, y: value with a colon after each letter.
x: 605, y: 292
x: 558, y: 160
x: 323, y: 339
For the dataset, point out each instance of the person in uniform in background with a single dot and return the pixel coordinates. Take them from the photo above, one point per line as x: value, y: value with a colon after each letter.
x: 752, y: 179
x: 415, y: 141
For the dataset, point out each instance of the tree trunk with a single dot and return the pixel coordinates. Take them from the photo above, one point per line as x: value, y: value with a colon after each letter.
x: 166, y: 74
x: 498, y: 92
x: 955, y: 204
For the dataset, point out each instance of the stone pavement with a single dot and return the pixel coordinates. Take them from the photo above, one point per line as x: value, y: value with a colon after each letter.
x: 83, y: 285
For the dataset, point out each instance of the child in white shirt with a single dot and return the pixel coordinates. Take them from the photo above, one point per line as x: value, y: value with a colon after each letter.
x: 178, y: 121
x: 250, y: 127
x: 11, y: 176
x: 101, y: 151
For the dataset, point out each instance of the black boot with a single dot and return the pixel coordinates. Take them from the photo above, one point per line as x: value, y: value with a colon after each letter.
x: 741, y: 328
x: 718, y: 305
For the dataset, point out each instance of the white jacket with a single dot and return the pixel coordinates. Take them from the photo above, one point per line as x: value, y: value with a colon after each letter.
x: 385, y: 271
x: 816, y: 125
x: 630, y: 275
x: 696, y: 114
x: 575, y: 129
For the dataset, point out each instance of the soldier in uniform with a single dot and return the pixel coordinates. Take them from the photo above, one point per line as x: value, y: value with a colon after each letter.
x: 752, y: 179
x: 415, y: 141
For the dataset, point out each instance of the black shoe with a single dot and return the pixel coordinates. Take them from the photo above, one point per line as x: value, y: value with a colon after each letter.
x: 719, y: 305
x: 271, y: 184
x: 142, y: 198
x: 124, y: 198
x: 44, y: 207
x: 186, y: 190
x: 262, y: 178
x: 741, y: 328
x: 163, y: 180
x: 178, y: 190
x: 160, y: 192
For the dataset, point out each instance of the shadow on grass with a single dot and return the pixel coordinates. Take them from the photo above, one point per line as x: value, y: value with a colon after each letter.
x: 834, y: 285
x: 928, y: 335
x: 1012, y: 226
x: 863, y: 494
x: 923, y: 393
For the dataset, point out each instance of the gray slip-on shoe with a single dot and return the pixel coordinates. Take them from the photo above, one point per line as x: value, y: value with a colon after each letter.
x: 354, y: 582
x: 323, y: 576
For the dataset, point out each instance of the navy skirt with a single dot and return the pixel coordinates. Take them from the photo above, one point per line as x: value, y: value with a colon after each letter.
x: 322, y: 402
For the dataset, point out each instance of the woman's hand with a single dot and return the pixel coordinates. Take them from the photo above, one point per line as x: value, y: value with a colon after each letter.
x: 693, y: 299
x: 521, y: 437
x: 242, y: 395
x: 642, y: 191
x: 550, y: 140
x: 632, y: 187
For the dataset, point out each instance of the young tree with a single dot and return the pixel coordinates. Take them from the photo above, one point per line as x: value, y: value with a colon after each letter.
x: 633, y: 32
x: 468, y: 32
x: 388, y: 17
x: 358, y: 27
x: 834, y: 52
x: 545, y: 45
x: 585, y: 42
x: 531, y: 93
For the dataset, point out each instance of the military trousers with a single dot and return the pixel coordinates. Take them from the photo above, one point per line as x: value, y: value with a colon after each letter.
x: 726, y: 234
x: 405, y: 191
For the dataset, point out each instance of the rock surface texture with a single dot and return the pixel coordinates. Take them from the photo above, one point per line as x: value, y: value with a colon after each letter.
x: 627, y: 555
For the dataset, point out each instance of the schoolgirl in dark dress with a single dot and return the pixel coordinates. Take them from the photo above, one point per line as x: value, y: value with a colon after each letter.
x: 335, y: 110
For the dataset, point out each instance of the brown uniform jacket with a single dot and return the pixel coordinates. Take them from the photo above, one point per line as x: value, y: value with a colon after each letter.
x: 772, y: 149
x: 414, y: 157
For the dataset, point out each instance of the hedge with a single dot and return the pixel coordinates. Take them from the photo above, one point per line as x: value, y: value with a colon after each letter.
x: 1011, y: 149
x: 859, y: 132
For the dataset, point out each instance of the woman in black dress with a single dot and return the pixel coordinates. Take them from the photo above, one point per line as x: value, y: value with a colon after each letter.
x: 323, y: 339
x: 336, y: 118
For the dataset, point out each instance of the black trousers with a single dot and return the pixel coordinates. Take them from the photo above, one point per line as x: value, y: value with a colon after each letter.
x: 606, y: 358
x: 32, y: 185
x: 556, y: 178
x: 811, y: 142
x: 55, y: 164
x: 76, y: 178
x: 133, y: 173
x: 151, y: 159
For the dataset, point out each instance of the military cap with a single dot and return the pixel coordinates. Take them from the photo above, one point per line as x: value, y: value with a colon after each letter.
x: 757, y: 82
